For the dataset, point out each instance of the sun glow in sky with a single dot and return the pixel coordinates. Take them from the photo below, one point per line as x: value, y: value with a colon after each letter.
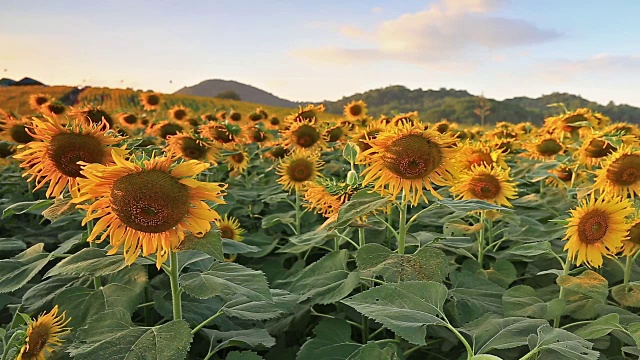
x: 312, y: 51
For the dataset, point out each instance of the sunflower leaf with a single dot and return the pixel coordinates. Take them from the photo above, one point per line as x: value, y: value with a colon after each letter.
x: 227, y: 279
x: 361, y: 203
x: 558, y: 344
x: 249, y: 338
x: 492, y: 332
x: 16, y: 272
x: 88, y: 261
x: 210, y: 244
x: 332, y: 341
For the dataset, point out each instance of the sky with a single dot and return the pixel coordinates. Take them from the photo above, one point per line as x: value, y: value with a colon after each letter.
x: 323, y: 50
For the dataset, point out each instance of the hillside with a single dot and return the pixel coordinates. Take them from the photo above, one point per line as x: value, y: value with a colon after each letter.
x: 211, y: 88
x: 458, y: 105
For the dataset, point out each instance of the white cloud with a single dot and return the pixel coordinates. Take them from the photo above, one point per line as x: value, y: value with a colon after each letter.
x: 377, y: 10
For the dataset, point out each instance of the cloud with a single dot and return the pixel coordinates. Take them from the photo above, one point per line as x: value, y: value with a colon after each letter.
x: 377, y: 10
x: 447, y: 30
x: 605, y: 66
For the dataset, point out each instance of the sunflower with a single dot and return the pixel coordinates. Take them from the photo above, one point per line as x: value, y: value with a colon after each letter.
x: 489, y: 183
x: 410, y: 117
x: 622, y: 129
x: 326, y: 196
x: 632, y: 244
x: 221, y: 115
x: 544, y: 148
x: 178, y: 113
x: 150, y: 101
x: 207, y: 118
x: 476, y: 153
x: 15, y: 129
x: 362, y: 137
x: 308, y: 114
x: 54, y: 159
x: 223, y: 135
x: 93, y: 115
x: 304, y: 134
x: 128, y: 120
x: 563, y: 176
x: 274, y: 123
x: 43, y: 334
x: 53, y: 108
x: 234, y: 116
x: 37, y: 100
x: 620, y: 173
x: 408, y: 157
x: 192, y: 147
x: 594, y: 149
x: 230, y: 229
x: 444, y: 126
x: 596, y: 228
x: 255, y: 117
x: 238, y: 161
x: 277, y: 152
x: 570, y: 122
x: 164, y: 129
x: 262, y: 112
x: 355, y: 110
x: 146, y: 208
x: 297, y: 168
x: 255, y: 133
x: 337, y: 133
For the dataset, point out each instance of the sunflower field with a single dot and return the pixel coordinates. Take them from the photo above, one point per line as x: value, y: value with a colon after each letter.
x: 156, y: 231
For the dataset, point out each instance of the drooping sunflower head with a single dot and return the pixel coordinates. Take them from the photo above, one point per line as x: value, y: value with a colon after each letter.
x: 178, y: 113
x: 622, y: 129
x: 53, y: 108
x: 225, y: 135
x: 298, y: 168
x: 489, y: 183
x: 476, y: 153
x: 544, y: 148
x: 16, y: 130
x: 164, y: 129
x: 362, y: 137
x: 408, y: 158
x: 93, y: 115
x: 230, y: 228
x: 597, y: 228
x: 147, y: 207
x: 43, y: 335
x: 207, y: 118
x: 37, y: 100
x: 632, y: 244
x: 56, y: 157
x: 238, y: 161
x: 304, y: 135
x: 128, y: 120
x: 571, y: 122
x: 192, y: 147
x: 326, y: 196
x: 150, y: 101
x: 595, y: 149
x: 355, y: 110
x: 309, y: 114
x: 565, y: 177
x: 620, y: 173
x: 524, y: 129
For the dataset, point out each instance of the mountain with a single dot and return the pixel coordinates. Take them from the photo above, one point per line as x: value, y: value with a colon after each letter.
x: 459, y: 105
x: 27, y: 81
x: 211, y: 88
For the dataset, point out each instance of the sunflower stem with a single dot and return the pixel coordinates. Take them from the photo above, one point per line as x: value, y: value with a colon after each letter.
x: 481, y: 238
x: 402, y: 231
x: 462, y: 339
x: 97, y: 284
x: 175, y: 287
x: 204, y: 323
x: 627, y: 269
x: 298, y: 213
x: 361, y: 240
x: 565, y: 271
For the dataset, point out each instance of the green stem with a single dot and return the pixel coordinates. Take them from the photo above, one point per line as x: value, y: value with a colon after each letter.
x: 175, y: 287
x: 490, y: 229
x: 8, y: 346
x: 481, y: 239
x: 376, y: 332
x: 365, y: 329
x: 464, y: 341
x: 565, y: 271
x: 298, y: 213
x: 402, y: 231
x: 97, y: 284
x: 627, y: 269
x: 361, y: 241
x: 530, y: 354
x: 204, y: 323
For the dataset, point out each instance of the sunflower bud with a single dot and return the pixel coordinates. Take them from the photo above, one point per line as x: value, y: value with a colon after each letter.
x: 350, y: 152
x: 352, y: 178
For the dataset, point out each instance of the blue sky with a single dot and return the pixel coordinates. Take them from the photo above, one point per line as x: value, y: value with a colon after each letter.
x: 316, y: 50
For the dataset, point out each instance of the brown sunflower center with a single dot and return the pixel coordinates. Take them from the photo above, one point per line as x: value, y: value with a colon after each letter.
x: 237, y: 158
x: 598, y: 148
x: 274, y: 121
x: 634, y: 234
x: 258, y: 136
x: 412, y: 156
x: 38, y: 338
x: 442, y: 128
x: 153, y: 99
x: 150, y: 201
x: 221, y: 135
x: 41, y: 100
x: 6, y: 150
x: 306, y: 115
x: 625, y: 170
x: 96, y: 116
x: 170, y: 129
x: 56, y: 109
x: 355, y: 110
x: 548, y: 147
x: 564, y: 174
x: 227, y: 231
x: 300, y: 170
x: 306, y: 136
x: 370, y: 135
x: 278, y: 152
x: 66, y: 149
x: 255, y: 117
x: 567, y: 122
x: 335, y: 134
x: 593, y: 226
x: 192, y: 149
x: 130, y: 119
x: 484, y: 187
x: 179, y: 114
x: 235, y: 116
x: 19, y: 134
x: 479, y: 158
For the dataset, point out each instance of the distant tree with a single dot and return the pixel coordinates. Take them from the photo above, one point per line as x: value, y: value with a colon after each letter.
x: 483, y: 109
x: 228, y: 94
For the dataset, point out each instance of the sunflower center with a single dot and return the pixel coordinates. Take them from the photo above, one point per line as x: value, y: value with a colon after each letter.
x: 479, y: 158
x: 412, y: 157
x: 19, y: 134
x: 150, y: 201
x: 37, y: 341
x: 6, y: 150
x: 235, y: 116
x: 222, y: 136
x: 442, y: 128
x: 300, y: 170
x: 67, y: 149
x: 130, y: 119
x: 564, y: 174
x: 484, y: 187
x: 548, y: 147
x: 258, y: 136
x: 255, y: 117
x: 227, y: 232
x: 153, y: 99
x: 335, y: 134
x: 355, y: 110
x: 170, y: 129
x: 56, y: 109
x: 96, y: 116
x: 625, y: 170
x: 192, y: 150
x: 179, y: 114
x: 278, y: 152
x: 307, y: 115
x: 306, y: 136
x: 572, y: 120
x: 41, y: 100
x: 593, y: 226
x: 634, y: 234
x: 237, y: 158
x: 274, y: 121
x: 599, y: 148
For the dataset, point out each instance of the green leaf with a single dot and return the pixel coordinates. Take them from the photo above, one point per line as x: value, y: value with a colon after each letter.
x: 361, y: 203
x: 522, y: 300
x: 43, y: 293
x: 243, y: 355
x: 332, y: 341
x: 247, y: 309
x: 552, y: 343
x: 227, y: 279
x: 502, y: 272
x: 470, y: 205
x: 304, y: 242
x: 492, y: 332
x: 88, y: 261
x: 634, y: 331
x: 251, y: 338
x: 371, y: 351
x: 405, y: 308
x: 600, y: 327
x: 279, y: 218
x: 427, y: 264
x: 473, y: 296
x: 589, y: 283
x: 11, y: 244
x: 210, y: 244
x: 485, y: 357
x: 112, y: 335
x: 325, y: 281
x: 16, y: 272
x: 32, y: 207
x: 627, y: 295
x: 237, y: 247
